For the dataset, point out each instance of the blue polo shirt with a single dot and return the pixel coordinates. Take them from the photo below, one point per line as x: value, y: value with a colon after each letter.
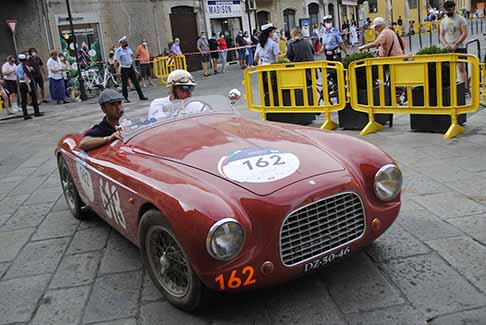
x: 20, y: 72
x: 332, y: 38
x: 124, y: 56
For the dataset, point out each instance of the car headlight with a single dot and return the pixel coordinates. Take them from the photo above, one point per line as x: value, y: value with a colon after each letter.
x: 388, y: 182
x: 225, y: 239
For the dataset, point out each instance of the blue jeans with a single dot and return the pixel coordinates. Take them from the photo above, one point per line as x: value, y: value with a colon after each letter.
x: 249, y: 57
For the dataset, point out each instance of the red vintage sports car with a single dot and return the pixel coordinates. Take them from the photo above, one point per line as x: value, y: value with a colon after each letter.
x: 214, y: 200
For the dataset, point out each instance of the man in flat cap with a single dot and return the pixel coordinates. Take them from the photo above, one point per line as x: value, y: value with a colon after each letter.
x: 124, y: 56
x: 108, y: 129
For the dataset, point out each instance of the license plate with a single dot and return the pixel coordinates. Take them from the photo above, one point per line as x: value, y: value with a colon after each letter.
x: 326, y: 259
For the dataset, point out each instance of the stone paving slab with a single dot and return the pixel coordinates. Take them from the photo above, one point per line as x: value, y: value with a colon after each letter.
x: 56, y: 224
x: 396, y: 315
x: 114, y: 296
x: 470, y: 317
x: 89, y: 240
x: 38, y: 258
x: 432, y: 286
x: 357, y: 285
x: 44, y: 195
x: 396, y: 242
x: 76, y: 270
x: 19, y: 298
x: 466, y: 256
x: 149, y: 291
x: 425, y: 226
x: 27, y: 217
x: 474, y: 226
x: 450, y: 205
x: 62, y: 307
x: 120, y: 255
x: 12, y: 243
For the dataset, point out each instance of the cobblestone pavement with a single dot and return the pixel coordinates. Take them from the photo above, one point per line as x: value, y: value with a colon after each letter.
x: 429, y: 267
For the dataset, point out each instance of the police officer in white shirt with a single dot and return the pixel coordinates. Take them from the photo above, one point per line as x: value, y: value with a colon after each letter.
x: 180, y: 84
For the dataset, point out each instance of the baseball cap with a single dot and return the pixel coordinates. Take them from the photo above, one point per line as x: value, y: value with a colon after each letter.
x: 378, y: 21
x: 109, y: 96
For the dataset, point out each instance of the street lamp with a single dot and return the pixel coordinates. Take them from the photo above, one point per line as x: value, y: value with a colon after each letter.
x: 82, y: 89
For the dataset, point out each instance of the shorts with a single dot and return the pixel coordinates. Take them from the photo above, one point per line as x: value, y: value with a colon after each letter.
x: 205, y: 58
x: 241, y: 53
x: 214, y: 55
x: 39, y: 82
x: 11, y: 86
x: 460, y: 50
x: 145, y: 70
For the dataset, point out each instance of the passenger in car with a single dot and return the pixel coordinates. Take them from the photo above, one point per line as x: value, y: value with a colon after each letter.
x: 180, y: 84
x: 108, y: 130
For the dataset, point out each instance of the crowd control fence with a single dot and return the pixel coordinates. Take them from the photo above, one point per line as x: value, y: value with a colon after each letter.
x: 306, y: 87
x: 424, y: 84
x: 164, y: 65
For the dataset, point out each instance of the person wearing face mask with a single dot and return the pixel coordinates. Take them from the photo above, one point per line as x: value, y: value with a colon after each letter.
x: 453, y: 32
x: 143, y: 56
x: 39, y: 73
x: 267, y: 50
x: 332, y: 41
x: 249, y: 49
x: 180, y: 85
x: 387, y: 42
x: 56, y: 78
x: 175, y: 49
x: 222, y: 47
x: 124, y: 55
x: 9, y: 72
x: 203, y: 48
x: 26, y: 86
x: 241, y: 43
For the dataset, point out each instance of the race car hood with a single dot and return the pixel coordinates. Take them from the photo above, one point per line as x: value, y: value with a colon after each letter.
x: 261, y: 157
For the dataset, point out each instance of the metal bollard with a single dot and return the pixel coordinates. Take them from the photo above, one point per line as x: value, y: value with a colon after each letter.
x: 430, y: 37
x: 420, y: 38
x: 410, y: 41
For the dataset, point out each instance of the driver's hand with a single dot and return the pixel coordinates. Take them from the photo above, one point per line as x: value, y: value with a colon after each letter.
x: 116, y: 136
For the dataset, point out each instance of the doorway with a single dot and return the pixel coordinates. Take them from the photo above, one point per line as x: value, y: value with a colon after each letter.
x: 183, y: 25
x: 230, y: 28
x: 263, y: 17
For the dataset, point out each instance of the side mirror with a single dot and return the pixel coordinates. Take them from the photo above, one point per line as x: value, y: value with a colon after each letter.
x: 234, y: 95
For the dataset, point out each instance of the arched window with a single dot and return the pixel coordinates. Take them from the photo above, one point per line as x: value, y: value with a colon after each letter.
x: 289, y: 19
x: 313, y: 13
x: 263, y: 17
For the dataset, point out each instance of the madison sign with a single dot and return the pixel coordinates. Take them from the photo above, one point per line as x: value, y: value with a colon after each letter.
x: 224, y: 8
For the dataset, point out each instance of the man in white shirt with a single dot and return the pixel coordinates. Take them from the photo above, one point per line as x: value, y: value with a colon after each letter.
x: 9, y: 72
x: 180, y: 84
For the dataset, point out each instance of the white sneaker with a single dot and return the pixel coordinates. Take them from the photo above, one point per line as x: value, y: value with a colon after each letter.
x: 15, y: 108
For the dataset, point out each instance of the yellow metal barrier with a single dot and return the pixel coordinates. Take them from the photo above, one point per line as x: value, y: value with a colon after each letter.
x: 164, y: 65
x: 296, y: 88
x: 428, y: 26
x: 417, y: 75
x: 370, y: 35
x: 416, y: 28
x: 283, y: 48
x: 399, y: 30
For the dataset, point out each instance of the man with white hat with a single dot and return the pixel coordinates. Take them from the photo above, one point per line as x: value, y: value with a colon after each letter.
x: 124, y: 56
x: 180, y: 85
x: 387, y: 41
x: 27, y: 86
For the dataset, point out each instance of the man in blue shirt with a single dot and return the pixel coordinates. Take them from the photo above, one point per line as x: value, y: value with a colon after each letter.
x: 332, y: 41
x: 27, y: 86
x: 124, y: 56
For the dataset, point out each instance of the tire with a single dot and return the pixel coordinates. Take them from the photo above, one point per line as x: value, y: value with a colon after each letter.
x: 71, y: 194
x: 188, y: 292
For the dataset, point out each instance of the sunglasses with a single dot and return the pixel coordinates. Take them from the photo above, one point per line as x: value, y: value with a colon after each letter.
x: 186, y: 88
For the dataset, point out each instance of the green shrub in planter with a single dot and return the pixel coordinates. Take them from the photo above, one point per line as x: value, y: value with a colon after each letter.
x: 355, y: 57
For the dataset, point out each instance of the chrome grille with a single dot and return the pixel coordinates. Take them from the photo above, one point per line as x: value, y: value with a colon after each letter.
x: 320, y: 227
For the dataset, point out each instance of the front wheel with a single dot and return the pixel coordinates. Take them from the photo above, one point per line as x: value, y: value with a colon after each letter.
x: 167, y: 263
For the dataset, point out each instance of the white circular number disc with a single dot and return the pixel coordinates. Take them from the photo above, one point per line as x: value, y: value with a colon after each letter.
x: 86, y: 182
x: 257, y: 165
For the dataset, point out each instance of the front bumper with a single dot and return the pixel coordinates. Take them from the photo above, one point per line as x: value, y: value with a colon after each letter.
x: 260, y: 265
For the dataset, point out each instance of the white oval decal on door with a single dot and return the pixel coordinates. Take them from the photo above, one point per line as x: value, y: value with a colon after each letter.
x: 85, y: 180
x: 258, y: 165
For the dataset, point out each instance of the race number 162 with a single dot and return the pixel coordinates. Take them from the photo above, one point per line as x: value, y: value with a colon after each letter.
x: 263, y: 162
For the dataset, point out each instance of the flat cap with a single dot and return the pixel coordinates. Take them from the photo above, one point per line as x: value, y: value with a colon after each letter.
x: 109, y: 96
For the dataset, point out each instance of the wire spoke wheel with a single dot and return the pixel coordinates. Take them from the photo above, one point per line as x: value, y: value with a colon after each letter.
x: 68, y: 186
x: 167, y: 261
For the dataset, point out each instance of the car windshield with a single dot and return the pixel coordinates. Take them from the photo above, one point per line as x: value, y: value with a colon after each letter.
x: 162, y: 111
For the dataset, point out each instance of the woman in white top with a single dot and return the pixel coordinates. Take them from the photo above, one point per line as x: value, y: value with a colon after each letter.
x: 267, y: 50
x: 56, y: 78
x: 353, y: 39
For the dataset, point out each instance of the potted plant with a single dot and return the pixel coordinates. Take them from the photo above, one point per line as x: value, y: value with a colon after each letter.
x: 349, y: 119
x: 294, y: 118
x: 436, y: 123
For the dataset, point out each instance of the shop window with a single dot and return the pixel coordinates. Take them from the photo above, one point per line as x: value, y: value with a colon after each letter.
x: 373, y: 5
x: 289, y: 19
x: 314, y: 13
